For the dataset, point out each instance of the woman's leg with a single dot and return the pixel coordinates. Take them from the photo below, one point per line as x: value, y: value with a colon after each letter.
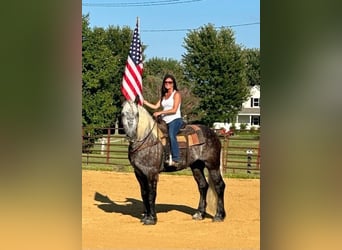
x: 174, y: 128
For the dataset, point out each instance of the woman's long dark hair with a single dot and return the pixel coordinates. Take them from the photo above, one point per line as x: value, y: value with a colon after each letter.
x: 163, y: 89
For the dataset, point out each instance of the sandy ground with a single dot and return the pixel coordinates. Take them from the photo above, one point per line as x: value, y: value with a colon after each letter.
x: 111, y: 209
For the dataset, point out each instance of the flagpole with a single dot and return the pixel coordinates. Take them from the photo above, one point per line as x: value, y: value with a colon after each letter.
x: 138, y: 23
x: 141, y: 98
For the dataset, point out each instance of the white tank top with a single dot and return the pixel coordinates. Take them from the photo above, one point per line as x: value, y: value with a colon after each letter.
x: 167, y: 104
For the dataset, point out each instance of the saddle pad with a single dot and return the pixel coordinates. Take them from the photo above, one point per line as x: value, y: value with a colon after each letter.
x: 194, y: 134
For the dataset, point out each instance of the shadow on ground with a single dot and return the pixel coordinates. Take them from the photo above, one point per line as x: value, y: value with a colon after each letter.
x: 134, y: 207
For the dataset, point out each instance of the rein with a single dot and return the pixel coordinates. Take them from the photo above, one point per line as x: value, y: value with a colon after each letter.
x: 142, y: 146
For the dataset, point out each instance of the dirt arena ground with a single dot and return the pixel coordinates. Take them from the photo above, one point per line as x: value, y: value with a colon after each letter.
x: 111, y: 209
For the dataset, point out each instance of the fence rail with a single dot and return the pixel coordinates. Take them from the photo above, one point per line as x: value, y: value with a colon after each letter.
x: 108, y: 146
x: 241, y: 152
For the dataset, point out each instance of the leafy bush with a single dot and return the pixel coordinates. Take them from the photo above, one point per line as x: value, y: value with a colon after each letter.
x: 243, y: 126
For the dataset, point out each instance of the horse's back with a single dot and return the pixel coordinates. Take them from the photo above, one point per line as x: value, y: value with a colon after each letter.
x: 208, y: 148
x: 206, y: 134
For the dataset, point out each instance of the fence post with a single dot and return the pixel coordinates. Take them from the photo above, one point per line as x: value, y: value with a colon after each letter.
x: 224, y: 154
x: 116, y: 129
x: 108, y: 144
x: 249, y: 159
x: 103, y: 145
x: 258, y: 157
x: 88, y: 148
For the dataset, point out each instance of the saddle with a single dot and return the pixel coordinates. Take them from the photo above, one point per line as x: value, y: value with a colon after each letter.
x: 188, y: 136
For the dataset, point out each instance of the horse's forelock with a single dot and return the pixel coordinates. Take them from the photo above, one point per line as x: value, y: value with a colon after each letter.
x: 129, y: 107
x: 130, y: 119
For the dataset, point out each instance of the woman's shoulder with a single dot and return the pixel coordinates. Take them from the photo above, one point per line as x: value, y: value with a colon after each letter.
x: 177, y: 95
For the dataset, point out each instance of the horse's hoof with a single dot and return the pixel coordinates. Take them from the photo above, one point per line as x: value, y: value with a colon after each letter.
x: 149, y: 221
x: 198, y: 216
x: 144, y: 217
x: 217, y: 219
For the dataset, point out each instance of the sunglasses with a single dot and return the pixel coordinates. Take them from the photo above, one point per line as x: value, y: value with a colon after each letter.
x: 168, y: 82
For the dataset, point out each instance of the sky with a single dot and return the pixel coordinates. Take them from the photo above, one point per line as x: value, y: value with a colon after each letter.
x: 165, y: 23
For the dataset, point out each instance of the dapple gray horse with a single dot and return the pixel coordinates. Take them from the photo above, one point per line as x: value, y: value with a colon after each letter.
x: 146, y: 154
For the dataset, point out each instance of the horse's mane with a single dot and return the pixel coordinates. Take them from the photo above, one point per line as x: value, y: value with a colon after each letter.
x: 146, y: 123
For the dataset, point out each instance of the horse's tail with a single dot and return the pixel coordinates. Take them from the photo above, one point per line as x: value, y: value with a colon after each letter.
x: 211, y: 197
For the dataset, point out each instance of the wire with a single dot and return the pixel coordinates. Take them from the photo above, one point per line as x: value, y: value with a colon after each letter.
x: 139, y: 4
x: 228, y: 26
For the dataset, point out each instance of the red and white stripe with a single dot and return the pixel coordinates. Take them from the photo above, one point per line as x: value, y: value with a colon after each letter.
x: 132, y: 81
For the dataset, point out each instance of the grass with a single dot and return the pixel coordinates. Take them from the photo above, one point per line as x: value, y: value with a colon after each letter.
x: 104, y: 167
x: 240, y: 174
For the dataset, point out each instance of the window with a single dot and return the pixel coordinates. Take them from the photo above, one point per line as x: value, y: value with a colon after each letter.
x: 256, y: 120
x: 254, y: 102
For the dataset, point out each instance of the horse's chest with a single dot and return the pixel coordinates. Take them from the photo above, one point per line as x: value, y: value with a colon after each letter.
x: 146, y: 156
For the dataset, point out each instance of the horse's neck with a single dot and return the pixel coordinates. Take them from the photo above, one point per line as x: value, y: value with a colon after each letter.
x: 145, y: 125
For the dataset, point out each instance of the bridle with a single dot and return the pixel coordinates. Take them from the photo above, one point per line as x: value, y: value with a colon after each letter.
x: 142, y: 144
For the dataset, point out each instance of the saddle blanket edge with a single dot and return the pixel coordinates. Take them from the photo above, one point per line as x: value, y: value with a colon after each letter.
x: 195, y: 137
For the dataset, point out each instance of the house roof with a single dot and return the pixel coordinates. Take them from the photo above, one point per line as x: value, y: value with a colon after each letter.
x: 256, y: 86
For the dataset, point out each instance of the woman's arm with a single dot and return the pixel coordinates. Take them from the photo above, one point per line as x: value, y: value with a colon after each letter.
x: 152, y: 106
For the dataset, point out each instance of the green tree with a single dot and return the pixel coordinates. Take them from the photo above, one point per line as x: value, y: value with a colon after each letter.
x: 215, y: 65
x: 118, y: 41
x: 104, y: 55
x: 253, y: 66
x: 98, y: 68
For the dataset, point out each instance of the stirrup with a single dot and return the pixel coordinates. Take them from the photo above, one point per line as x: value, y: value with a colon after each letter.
x: 174, y: 164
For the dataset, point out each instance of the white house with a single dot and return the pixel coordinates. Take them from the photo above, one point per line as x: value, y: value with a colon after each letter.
x: 249, y: 113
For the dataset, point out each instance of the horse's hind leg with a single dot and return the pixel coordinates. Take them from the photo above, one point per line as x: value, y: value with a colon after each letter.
x: 198, y: 173
x: 219, y: 186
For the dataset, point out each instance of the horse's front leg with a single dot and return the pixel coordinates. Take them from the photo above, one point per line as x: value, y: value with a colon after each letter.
x: 152, y: 187
x: 144, y: 193
x: 148, y: 194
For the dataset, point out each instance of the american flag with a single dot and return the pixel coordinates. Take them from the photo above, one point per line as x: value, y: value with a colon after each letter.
x: 132, y: 77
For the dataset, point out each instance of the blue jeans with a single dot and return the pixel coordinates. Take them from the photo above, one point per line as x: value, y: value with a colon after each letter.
x: 174, y: 128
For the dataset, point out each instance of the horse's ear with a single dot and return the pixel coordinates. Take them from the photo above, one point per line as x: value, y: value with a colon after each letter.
x: 122, y: 99
x: 137, y: 99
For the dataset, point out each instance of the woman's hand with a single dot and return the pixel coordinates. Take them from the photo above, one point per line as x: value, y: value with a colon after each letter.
x: 156, y: 114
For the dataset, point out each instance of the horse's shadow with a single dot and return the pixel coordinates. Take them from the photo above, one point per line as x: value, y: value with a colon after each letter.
x: 134, y: 207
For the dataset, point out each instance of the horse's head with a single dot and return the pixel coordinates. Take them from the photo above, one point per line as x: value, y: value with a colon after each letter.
x: 137, y: 122
x: 130, y: 119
